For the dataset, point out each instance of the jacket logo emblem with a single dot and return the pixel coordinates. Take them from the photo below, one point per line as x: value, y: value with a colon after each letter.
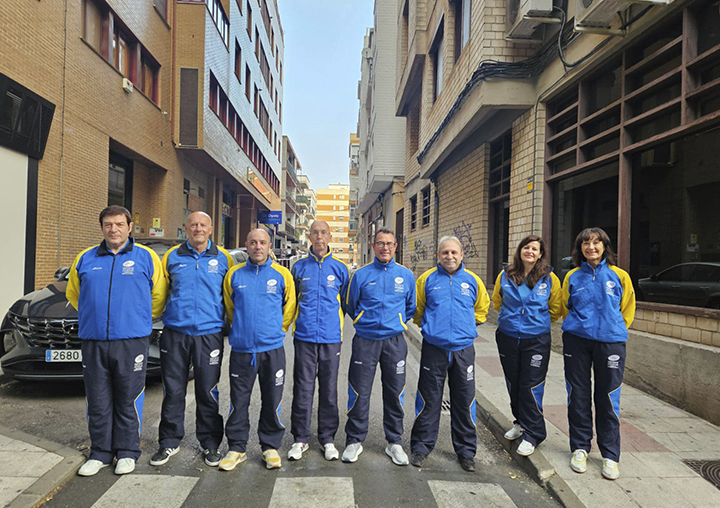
x: 213, y: 262
x: 271, y: 287
x: 331, y: 281
x: 213, y: 266
x: 398, y: 280
x: 128, y: 267
x: 399, y: 286
x: 465, y: 289
x: 610, y: 288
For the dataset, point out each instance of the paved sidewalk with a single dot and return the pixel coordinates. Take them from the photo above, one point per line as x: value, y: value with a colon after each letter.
x: 32, y: 468
x: 655, y: 439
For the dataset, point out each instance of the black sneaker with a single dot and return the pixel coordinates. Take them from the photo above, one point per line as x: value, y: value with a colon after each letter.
x: 417, y: 459
x: 467, y: 463
x: 162, y: 456
x: 212, y: 457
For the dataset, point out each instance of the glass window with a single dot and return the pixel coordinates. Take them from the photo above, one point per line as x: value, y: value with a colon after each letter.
x: 93, y: 24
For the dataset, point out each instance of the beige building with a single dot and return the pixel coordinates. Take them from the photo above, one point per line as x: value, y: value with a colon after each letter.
x: 333, y: 206
x: 381, y: 134
x: 306, y: 206
x: 287, y: 233
x: 354, y: 153
x: 621, y: 134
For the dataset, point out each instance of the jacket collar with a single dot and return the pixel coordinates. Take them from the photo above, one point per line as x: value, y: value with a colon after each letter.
x: 251, y: 265
x: 319, y: 260
x: 443, y: 271
x: 104, y: 251
x: 380, y: 264
x: 186, y: 250
x: 586, y: 267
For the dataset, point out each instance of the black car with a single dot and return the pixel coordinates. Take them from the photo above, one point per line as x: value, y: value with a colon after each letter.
x: 39, y: 334
x: 694, y: 284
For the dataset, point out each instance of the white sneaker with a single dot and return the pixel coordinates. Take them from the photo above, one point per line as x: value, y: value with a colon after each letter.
x: 397, y: 454
x: 91, y: 467
x: 296, y: 451
x: 514, y: 433
x: 525, y: 448
x: 331, y: 453
x: 125, y: 466
x: 352, y: 452
x: 578, y: 462
x: 610, y: 469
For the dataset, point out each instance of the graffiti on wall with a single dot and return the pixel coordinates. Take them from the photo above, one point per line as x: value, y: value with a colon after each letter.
x: 421, y: 251
x: 462, y: 232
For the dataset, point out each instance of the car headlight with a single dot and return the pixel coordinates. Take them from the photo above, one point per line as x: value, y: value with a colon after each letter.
x: 9, y: 342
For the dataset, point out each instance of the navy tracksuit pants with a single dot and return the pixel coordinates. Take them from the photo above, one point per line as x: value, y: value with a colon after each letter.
x: 269, y: 368
x: 525, y: 364
x: 205, y: 352
x: 114, y: 375
x: 391, y: 353
x: 321, y: 361
x: 458, y: 367
x: 607, y: 360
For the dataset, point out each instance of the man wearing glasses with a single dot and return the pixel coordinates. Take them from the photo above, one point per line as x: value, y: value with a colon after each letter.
x: 380, y: 299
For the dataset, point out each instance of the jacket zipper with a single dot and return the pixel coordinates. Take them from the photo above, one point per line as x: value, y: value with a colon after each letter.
x: 317, y: 316
x: 112, y: 270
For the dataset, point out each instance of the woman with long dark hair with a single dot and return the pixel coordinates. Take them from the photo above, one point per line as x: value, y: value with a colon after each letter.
x: 599, y: 307
x: 527, y: 297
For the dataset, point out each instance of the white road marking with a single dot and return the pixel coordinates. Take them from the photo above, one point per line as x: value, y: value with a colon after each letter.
x: 147, y: 491
x: 454, y: 494
x: 313, y: 492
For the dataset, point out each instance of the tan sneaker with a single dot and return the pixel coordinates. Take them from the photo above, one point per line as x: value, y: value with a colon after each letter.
x: 578, y: 462
x: 610, y: 469
x: 232, y: 459
x: 272, y: 459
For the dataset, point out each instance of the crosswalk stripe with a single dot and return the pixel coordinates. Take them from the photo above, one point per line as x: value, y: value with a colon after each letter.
x: 146, y: 491
x: 454, y: 494
x: 313, y: 492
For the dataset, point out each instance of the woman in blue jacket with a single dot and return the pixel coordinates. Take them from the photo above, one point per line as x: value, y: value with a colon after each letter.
x: 599, y: 307
x: 527, y: 297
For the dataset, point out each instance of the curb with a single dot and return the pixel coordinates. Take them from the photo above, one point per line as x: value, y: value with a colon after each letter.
x: 45, y: 487
x: 536, y: 465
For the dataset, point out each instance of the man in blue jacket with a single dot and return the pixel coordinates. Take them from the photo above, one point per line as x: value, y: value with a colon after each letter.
x: 380, y: 299
x: 451, y: 302
x: 194, y: 318
x: 260, y: 300
x: 118, y: 289
x: 321, y: 282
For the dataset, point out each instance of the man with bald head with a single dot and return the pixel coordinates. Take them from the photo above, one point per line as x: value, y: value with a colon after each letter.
x: 193, y: 318
x: 320, y: 281
x: 451, y: 302
x: 260, y: 302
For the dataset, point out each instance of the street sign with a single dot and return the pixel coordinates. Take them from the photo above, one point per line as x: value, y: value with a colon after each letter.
x: 269, y: 217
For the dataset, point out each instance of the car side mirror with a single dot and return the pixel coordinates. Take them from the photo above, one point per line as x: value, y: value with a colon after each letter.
x: 60, y: 273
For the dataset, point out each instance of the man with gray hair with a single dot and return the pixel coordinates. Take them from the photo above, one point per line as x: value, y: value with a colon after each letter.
x: 451, y: 302
x: 380, y: 298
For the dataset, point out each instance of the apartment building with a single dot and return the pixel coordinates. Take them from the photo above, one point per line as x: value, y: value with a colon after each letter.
x: 163, y: 107
x: 382, y: 135
x: 354, y: 153
x: 617, y: 132
x: 306, y: 206
x: 333, y: 206
x: 287, y: 234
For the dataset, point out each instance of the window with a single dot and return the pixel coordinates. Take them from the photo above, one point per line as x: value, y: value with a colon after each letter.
x: 238, y: 59
x: 280, y: 113
x: 257, y: 44
x: 239, y: 4
x: 499, y: 198
x: 281, y: 74
x: 92, y: 29
x: 247, y: 82
x: 249, y: 20
x: 121, y: 54
x: 120, y: 181
x: 217, y: 13
x: 265, y: 13
x: 426, y: 206
x: 413, y: 213
x: 149, y: 78
x: 437, y: 57
x: 256, y: 102
x: 462, y: 25
x: 264, y: 66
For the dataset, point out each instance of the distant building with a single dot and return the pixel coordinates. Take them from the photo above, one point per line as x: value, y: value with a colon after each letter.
x: 287, y: 235
x: 333, y: 206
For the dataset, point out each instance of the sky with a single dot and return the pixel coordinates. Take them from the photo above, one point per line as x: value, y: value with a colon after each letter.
x: 323, y: 45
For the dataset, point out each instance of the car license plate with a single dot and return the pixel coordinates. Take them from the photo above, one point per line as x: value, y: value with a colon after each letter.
x: 63, y: 355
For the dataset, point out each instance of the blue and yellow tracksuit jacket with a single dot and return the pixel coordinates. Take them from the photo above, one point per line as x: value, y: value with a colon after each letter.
x: 532, y: 317
x: 116, y: 295
x: 195, y: 288
x: 260, y: 302
x: 598, y: 303
x: 320, y: 284
x: 450, y: 307
x: 380, y: 299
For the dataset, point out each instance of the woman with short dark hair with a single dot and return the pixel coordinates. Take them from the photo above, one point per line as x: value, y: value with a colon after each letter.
x: 527, y: 297
x: 599, y: 307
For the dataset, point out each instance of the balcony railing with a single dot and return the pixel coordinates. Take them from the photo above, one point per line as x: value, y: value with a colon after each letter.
x: 303, y: 201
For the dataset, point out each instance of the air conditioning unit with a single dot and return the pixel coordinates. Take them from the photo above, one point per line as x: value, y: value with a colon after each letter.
x: 524, y: 16
x: 367, y: 53
x: 597, y: 14
x: 127, y: 85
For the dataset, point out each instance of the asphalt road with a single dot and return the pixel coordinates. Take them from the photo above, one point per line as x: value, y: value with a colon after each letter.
x: 56, y: 411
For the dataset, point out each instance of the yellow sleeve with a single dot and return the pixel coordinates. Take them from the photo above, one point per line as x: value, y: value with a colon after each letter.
x: 482, y: 304
x: 289, y: 300
x: 627, y: 303
x: 72, y: 293
x: 228, y: 292
x: 566, y: 293
x: 159, y: 286
x: 230, y: 260
x: 497, y: 292
x: 555, y: 302
x: 420, y: 297
x: 165, y: 269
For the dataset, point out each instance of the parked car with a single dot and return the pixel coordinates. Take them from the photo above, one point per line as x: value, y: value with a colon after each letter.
x: 40, y: 332
x: 239, y: 255
x: 693, y: 284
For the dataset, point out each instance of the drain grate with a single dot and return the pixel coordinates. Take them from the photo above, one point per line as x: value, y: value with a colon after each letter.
x: 708, y: 469
x: 445, y: 407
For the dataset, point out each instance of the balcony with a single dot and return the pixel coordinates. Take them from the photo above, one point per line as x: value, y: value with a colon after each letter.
x: 292, y: 173
x: 302, y: 226
x: 303, y: 203
x: 290, y: 231
x: 411, y: 68
x: 290, y: 202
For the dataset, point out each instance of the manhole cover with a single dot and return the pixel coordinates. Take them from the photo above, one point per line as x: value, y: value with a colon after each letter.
x: 708, y: 469
x: 445, y: 407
